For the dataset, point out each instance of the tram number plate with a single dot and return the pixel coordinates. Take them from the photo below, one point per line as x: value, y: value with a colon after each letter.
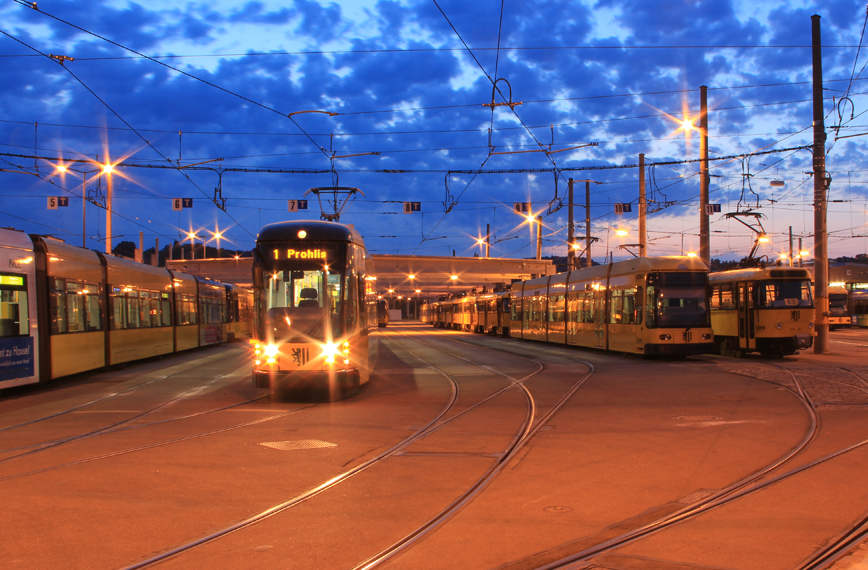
x: 300, y: 355
x: 792, y: 301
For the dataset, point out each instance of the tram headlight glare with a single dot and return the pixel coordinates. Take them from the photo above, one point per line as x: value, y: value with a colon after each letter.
x: 271, y: 350
x: 329, y: 351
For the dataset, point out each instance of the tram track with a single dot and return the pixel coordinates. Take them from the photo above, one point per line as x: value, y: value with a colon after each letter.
x: 823, y: 558
x: 530, y: 429
x: 108, y: 397
x: 438, y: 422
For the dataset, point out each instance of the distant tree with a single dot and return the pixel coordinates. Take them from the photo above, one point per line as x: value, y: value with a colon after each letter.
x: 125, y: 249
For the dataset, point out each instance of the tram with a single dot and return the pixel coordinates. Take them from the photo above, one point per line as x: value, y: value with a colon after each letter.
x: 762, y: 309
x: 65, y: 310
x: 647, y: 305
x: 315, y: 309
x: 19, y: 351
x: 839, y: 315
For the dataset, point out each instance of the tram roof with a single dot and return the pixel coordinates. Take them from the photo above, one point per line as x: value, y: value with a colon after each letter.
x: 753, y: 273
x: 315, y: 229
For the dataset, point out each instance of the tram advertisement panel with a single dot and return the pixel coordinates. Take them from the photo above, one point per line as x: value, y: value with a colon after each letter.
x: 16, y: 358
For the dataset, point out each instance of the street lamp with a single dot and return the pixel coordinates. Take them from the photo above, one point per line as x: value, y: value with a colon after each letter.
x: 192, y: 237
x: 63, y: 170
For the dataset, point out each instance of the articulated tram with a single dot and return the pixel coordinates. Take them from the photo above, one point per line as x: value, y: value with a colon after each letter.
x: 66, y: 310
x: 315, y: 308
x: 763, y: 309
x: 649, y: 305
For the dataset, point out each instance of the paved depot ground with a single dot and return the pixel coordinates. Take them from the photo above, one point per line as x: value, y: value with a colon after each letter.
x: 639, y: 439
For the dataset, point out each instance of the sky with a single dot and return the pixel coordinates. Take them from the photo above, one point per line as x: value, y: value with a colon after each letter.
x: 460, y: 106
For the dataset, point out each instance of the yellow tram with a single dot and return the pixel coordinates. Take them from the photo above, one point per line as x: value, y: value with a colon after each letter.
x: 762, y: 309
x: 647, y: 305
x: 315, y: 307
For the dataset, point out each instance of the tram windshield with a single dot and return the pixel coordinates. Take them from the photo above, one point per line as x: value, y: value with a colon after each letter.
x: 774, y: 294
x: 677, y: 300
x: 308, y: 298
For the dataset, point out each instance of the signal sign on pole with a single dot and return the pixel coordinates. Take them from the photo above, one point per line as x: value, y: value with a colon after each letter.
x: 410, y: 207
x: 712, y: 209
x: 521, y: 207
x: 55, y: 202
x: 623, y: 208
x: 179, y: 204
x: 296, y: 205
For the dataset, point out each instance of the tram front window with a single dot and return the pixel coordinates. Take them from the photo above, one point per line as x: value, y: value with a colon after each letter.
x: 773, y: 294
x: 304, y: 305
x: 677, y: 300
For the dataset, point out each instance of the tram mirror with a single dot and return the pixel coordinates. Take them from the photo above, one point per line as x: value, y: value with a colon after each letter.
x: 258, y: 281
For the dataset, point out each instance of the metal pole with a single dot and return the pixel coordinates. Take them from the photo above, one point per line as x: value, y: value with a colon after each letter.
x: 643, y: 233
x: 108, y: 214
x: 800, y: 252
x: 704, y: 246
x: 539, y: 237
x: 588, y: 258
x: 821, y: 258
x: 83, y: 209
x: 487, y: 240
x: 791, y: 246
x: 571, y: 253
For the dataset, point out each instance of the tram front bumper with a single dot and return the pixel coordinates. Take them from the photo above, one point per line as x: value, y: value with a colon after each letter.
x: 305, y: 378
x: 803, y: 341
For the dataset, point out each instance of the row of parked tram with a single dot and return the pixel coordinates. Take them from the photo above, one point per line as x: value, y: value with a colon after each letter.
x: 66, y: 310
x: 649, y: 305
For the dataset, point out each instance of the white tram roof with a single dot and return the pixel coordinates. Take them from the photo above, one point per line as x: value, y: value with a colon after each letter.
x: 626, y: 267
x: 755, y: 273
x: 15, y: 239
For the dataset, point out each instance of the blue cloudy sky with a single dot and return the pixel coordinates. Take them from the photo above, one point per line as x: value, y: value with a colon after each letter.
x: 164, y: 84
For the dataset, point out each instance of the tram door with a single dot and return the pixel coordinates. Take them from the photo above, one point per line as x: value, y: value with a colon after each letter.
x: 746, y: 320
x: 600, y: 319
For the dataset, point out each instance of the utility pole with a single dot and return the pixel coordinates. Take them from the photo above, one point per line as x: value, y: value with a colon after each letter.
x: 791, y: 246
x: 704, y: 247
x: 821, y: 253
x: 108, y: 214
x: 539, y: 237
x: 487, y: 240
x: 643, y: 234
x: 571, y: 240
x: 588, y: 257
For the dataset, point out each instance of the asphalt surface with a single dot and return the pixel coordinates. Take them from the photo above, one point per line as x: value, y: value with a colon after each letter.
x: 464, y: 451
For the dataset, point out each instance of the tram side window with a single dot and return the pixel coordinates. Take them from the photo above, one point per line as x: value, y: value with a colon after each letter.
x: 556, y: 309
x: 59, y: 322
x: 74, y: 307
x: 650, y: 305
x: 628, y: 313
x: 186, y: 309
x: 165, y: 310
x: 785, y: 293
x: 616, y: 316
x: 14, y: 319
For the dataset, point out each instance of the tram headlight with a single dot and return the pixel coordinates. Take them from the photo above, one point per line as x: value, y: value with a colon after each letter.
x: 665, y: 337
x: 329, y: 351
x: 271, y: 350
x: 811, y: 325
x: 706, y: 336
x: 779, y: 326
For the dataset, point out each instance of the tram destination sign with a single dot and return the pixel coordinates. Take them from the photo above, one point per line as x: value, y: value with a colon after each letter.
x: 292, y: 254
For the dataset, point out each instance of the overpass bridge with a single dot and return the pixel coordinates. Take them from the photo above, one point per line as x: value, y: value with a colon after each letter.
x: 405, y: 275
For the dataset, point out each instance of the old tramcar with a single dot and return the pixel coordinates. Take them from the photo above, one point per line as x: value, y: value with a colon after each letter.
x: 647, y: 305
x: 762, y: 309
x: 315, y: 307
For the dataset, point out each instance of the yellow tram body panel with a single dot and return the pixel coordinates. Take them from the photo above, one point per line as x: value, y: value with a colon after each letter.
x: 136, y: 344
x: 75, y: 353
